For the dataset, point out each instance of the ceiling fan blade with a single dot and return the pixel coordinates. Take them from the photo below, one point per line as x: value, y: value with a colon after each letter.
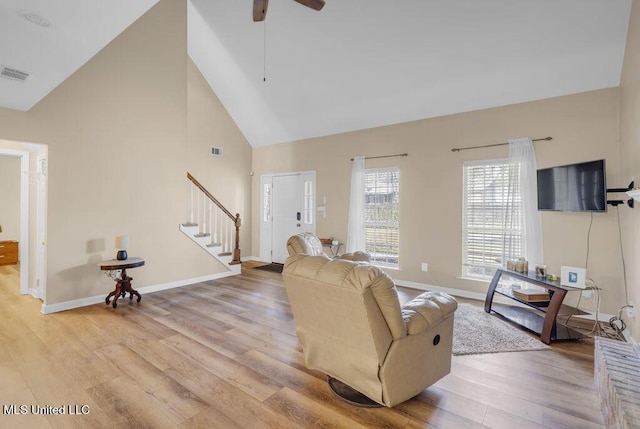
x: 313, y: 4
x: 259, y: 10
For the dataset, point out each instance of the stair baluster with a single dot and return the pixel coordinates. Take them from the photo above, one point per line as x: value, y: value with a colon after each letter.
x: 227, y: 246
x: 198, y: 210
x: 191, y: 205
x: 215, y: 229
x: 204, y: 214
x: 210, y: 224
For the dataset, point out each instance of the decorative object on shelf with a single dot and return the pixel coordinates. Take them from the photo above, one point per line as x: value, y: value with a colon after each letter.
x: 519, y: 265
x: 573, y: 277
x: 531, y: 295
x: 122, y: 243
x: 541, y: 271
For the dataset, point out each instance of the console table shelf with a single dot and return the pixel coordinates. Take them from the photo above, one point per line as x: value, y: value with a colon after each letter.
x: 538, y: 317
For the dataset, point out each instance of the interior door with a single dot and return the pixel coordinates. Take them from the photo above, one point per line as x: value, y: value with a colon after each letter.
x: 293, y: 205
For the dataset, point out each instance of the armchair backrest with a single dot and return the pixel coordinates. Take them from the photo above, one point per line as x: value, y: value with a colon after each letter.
x: 305, y: 243
x: 347, y: 315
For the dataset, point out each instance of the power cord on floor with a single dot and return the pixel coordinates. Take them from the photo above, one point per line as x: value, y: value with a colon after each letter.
x: 616, y: 325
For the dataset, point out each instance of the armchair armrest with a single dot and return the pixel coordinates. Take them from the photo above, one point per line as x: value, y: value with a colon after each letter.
x: 427, y: 310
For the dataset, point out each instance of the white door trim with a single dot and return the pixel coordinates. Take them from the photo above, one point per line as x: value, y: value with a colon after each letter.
x: 38, y: 289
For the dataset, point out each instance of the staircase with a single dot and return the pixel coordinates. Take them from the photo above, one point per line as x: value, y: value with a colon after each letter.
x: 212, y: 227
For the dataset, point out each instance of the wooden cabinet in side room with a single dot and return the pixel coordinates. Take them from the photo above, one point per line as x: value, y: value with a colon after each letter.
x: 8, y: 252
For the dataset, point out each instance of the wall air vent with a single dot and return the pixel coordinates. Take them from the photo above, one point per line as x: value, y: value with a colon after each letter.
x: 13, y: 74
x: 216, y: 151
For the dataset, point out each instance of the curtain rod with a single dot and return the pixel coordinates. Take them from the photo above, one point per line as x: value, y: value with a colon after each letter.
x: 385, y: 156
x: 458, y: 149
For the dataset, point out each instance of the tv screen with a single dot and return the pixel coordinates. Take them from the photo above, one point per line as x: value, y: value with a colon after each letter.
x: 573, y: 188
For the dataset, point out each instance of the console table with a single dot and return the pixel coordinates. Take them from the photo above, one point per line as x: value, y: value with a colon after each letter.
x: 540, y: 318
x: 123, y: 283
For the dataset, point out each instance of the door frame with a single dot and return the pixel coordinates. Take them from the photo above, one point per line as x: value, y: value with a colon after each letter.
x: 41, y: 227
x: 266, y: 227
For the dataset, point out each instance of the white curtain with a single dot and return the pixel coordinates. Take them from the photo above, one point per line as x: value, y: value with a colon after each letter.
x: 521, y: 153
x: 355, y: 230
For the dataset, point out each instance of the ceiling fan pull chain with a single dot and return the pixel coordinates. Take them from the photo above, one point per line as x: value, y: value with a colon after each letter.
x: 264, y: 58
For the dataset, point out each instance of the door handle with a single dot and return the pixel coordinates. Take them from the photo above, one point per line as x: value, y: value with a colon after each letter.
x: 298, y: 216
x: 298, y: 225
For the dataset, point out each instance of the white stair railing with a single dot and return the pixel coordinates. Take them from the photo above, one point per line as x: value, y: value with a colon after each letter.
x: 217, y: 222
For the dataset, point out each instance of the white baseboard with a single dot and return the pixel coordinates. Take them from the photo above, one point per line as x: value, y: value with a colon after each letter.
x: 83, y: 302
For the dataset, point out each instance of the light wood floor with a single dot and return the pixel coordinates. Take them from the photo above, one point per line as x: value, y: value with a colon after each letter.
x: 224, y: 354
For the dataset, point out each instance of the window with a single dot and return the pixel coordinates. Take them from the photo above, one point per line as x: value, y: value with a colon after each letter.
x: 308, y: 202
x: 381, y: 215
x: 492, y: 220
x: 266, y: 203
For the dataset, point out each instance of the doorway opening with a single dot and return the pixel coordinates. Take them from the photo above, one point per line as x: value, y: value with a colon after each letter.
x: 30, y: 231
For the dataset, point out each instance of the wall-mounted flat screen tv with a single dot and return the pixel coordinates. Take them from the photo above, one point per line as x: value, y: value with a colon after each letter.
x: 573, y: 188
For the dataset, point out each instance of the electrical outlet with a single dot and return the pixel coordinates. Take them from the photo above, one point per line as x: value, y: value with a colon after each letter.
x: 425, y: 267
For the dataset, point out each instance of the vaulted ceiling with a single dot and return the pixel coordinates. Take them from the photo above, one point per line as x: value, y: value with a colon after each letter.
x: 355, y: 64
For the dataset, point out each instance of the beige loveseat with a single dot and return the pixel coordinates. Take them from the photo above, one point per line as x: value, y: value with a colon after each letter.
x: 352, y: 327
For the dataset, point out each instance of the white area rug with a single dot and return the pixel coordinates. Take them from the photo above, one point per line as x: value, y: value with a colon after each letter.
x: 475, y: 331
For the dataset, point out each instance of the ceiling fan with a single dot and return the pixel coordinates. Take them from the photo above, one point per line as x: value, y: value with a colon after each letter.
x: 260, y: 7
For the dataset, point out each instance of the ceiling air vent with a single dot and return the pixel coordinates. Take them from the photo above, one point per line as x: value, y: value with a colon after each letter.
x: 13, y: 74
x: 216, y: 151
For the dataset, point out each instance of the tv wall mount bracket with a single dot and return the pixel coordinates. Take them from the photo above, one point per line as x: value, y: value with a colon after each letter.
x: 615, y: 203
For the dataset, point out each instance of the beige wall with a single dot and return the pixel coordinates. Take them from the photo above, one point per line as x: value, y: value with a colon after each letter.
x: 630, y: 160
x: 583, y: 126
x: 117, y: 136
x: 10, y: 197
x: 227, y: 178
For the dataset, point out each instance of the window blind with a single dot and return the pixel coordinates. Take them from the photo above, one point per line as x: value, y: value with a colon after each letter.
x: 492, y: 219
x: 381, y: 215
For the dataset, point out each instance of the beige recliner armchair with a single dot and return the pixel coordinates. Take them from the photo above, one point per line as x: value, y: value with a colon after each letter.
x: 352, y: 327
x: 308, y: 244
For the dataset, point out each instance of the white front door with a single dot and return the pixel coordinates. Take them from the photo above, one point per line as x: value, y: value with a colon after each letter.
x: 288, y: 209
